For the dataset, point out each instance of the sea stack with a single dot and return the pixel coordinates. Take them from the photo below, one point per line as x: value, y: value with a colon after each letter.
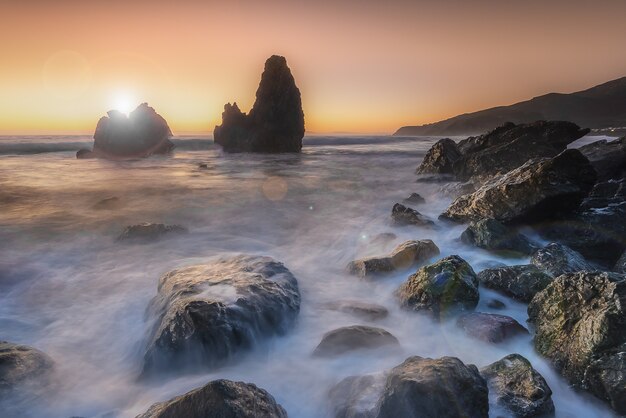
x: 140, y: 134
x: 276, y: 122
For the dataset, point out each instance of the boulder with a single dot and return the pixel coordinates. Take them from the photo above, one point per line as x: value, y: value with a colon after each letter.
x: 606, y: 378
x: 357, y: 396
x: 518, y: 388
x: 608, y: 158
x: 441, y: 288
x: 414, y: 198
x: 491, y: 328
x: 456, y: 189
x: 149, y: 231
x: 403, y: 256
x: 275, y: 123
x: 510, y: 146
x: 444, y: 388
x: 140, y: 134
x: 440, y: 158
x: 219, y: 399
x: 402, y: 215
x: 22, y: 367
x: 557, y: 259
x: 490, y: 234
x: 368, y: 311
x: 496, y: 304
x: 620, y: 265
x: 205, y: 314
x: 580, y: 319
x: 356, y: 337
x: 538, y: 190
x: 519, y: 282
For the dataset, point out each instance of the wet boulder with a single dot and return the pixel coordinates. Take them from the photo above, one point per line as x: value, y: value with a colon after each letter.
x: 402, y: 215
x: 414, y: 198
x: 442, y: 288
x: 219, y: 398
x: 490, y: 234
x: 518, y: 388
x: 538, y: 190
x: 606, y: 378
x: 490, y: 328
x: 22, y: 367
x: 519, y: 282
x: 357, y: 396
x: 579, y: 319
x: 444, y: 387
x: 276, y: 122
x: 208, y: 313
x: 607, y: 157
x: 557, y: 259
x: 150, y: 232
x: 620, y: 265
x: 140, y: 134
x: 403, y: 256
x: 440, y: 158
x: 364, y: 310
x: 356, y: 337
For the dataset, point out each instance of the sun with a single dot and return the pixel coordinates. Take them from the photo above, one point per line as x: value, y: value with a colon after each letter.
x: 123, y: 102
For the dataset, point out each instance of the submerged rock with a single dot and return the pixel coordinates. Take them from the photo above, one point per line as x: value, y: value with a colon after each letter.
x: 206, y: 314
x: 357, y: 396
x: 442, y: 288
x: 276, y: 121
x: 219, y: 398
x: 538, y: 190
x: 356, y: 337
x: 519, y: 282
x: 369, y: 311
x: 149, y: 231
x: 142, y: 134
x: 414, y: 198
x: 403, y: 256
x: 22, y: 367
x: 491, y: 328
x: 579, y: 319
x: 490, y: 234
x: 440, y: 158
x: 557, y: 259
x: 496, y: 304
x: 402, y: 215
x: 518, y: 387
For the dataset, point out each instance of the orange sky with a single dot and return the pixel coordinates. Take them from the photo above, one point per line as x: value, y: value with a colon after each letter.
x: 361, y: 65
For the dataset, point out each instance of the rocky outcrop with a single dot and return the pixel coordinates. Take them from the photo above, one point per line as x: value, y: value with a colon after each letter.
x: 608, y: 158
x: 606, y: 378
x: 402, y: 215
x: 557, y: 259
x: 519, y: 282
x: 149, y: 232
x: 490, y: 328
x: 580, y: 321
x: 142, y: 134
x: 443, y: 288
x: 414, y: 199
x: 276, y: 121
x: 356, y: 337
x: 538, y: 190
x: 403, y: 256
x: 219, y: 398
x: 490, y: 234
x: 518, y: 388
x: 419, y: 387
x: 500, y: 150
x: 440, y: 158
x: 22, y: 367
x: 364, y: 310
x: 206, y: 314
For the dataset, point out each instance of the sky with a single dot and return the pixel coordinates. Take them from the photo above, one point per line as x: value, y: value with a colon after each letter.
x: 362, y: 66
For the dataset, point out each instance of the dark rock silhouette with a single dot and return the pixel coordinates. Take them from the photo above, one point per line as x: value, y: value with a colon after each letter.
x: 143, y: 133
x: 402, y: 215
x: 519, y: 282
x: 493, y: 235
x: 556, y: 259
x: 22, y: 368
x: 356, y: 337
x: 491, y: 328
x: 275, y: 123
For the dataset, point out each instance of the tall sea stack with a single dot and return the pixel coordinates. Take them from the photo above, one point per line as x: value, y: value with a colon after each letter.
x: 275, y: 123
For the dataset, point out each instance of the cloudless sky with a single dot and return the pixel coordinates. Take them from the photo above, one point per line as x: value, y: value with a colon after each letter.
x: 361, y: 65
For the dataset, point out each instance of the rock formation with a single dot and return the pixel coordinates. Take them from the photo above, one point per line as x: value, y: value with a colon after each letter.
x: 206, y: 314
x: 147, y: 232
x: 351, y: 338
x: 491, y: 328
x: 219, y: 398
x: 519, y: 282
x: 276, y: 121
x: 143, y: 133
x: 557, y: 259
x: 21, y: 367
x: 402, y: 215
x: 490, y: 234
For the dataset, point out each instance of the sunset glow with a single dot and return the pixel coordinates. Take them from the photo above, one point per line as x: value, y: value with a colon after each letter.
x: 361, y: 66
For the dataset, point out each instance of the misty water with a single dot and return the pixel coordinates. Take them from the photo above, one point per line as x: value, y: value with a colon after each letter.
x: 68, y: 288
